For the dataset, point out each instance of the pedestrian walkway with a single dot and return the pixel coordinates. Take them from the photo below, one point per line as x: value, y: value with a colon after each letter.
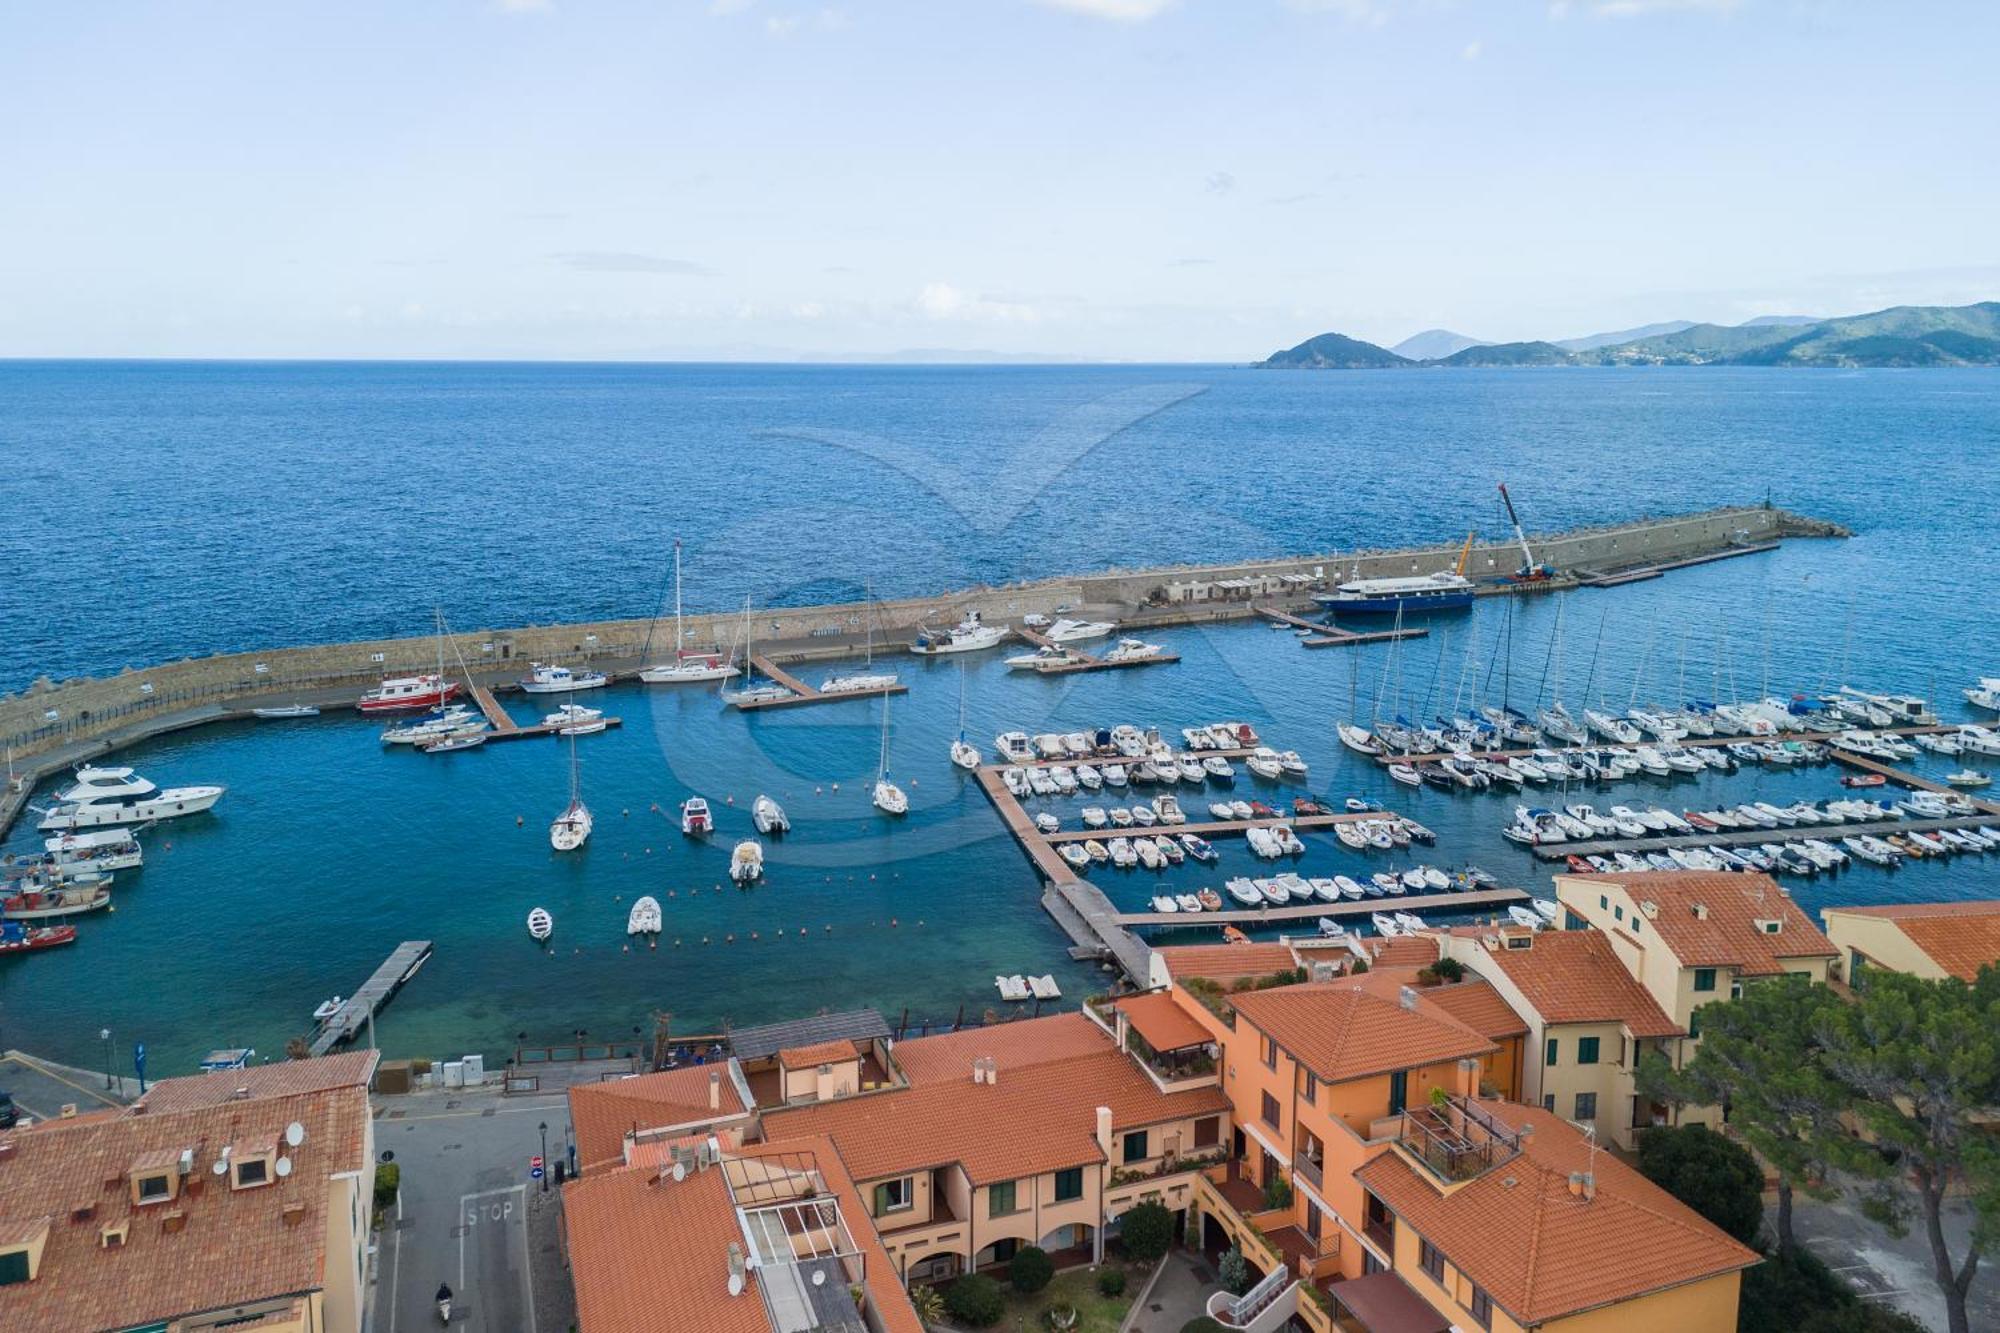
x: 1179, y: 1294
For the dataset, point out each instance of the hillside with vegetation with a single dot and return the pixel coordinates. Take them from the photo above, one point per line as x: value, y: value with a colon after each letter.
x: 1900, y: 337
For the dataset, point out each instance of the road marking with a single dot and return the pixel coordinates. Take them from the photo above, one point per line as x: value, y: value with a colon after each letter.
x: 545, y: 1108
x: 468, y: 1218
x: 36, y: 1066
x: 396, y: 1268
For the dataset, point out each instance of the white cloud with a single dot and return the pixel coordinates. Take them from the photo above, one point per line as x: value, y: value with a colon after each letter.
x: 781, y: 25
x: 1118, y: 11
x: 1471, y: 51
x: 941, y: 300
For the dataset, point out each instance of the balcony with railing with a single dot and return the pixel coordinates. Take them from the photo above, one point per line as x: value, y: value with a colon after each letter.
x: 1456, y: 1139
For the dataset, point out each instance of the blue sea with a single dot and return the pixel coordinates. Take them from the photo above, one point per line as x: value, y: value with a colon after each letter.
x: 156, y: 510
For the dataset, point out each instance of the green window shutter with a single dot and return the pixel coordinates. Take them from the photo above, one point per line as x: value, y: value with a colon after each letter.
x: 1586, y: 1050
x: 1549, y: 1052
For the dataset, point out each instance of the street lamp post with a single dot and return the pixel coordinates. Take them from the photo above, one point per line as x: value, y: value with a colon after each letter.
x: 545, y: 1157
x: 105, y: 1035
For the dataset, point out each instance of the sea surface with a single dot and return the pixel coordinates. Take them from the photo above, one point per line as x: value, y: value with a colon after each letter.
x: 155, y: 510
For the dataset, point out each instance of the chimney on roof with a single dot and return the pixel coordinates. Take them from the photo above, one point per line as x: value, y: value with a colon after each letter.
x: 1124, y: 1026
x: 1700, y: 911
x: 240, y: 1095
x: 69, y: 1110
x: 137, y: 1108
x: 1407, y: 997
x: 715, y: 1089
x: 1104, y: 1129
x: 1583, y: 1185
x: 293, y: 1213
x: 992, y: 1070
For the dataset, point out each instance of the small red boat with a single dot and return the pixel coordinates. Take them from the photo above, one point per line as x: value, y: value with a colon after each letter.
x: 408, y: 692
x: 17, y: 938
x: 1258, y: 810
x: 1578, y: 865
x: 1863, y: 780
x: 1305, y: 805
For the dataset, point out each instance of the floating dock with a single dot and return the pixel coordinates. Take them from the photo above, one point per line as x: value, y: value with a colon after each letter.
x: 802, y: 693
x: 1905, y: 778
x: 1640, y: 573
x: 1332, y: 636
x: 362, y: 1006
x: 1211, y: 829
x: 1460, y: 901
x: 1597, y: 742
x: 505, y: 728
x: 1088, y: 661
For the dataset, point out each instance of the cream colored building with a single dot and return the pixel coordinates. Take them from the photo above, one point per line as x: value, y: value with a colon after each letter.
x: 1929, y: 940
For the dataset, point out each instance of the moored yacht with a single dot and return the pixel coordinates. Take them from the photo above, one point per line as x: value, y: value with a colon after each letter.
x: 104, y: 796
x: 558, y: 679
x: 1442, y: 591
x: 686, y: 667
x: 407, y: 692
x: 968, y: 635
x: 1074, y: 631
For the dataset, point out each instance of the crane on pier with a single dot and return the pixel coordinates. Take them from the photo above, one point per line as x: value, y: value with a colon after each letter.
x: 1529, y: 572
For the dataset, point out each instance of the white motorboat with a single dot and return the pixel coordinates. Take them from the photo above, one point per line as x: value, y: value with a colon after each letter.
x: 1095, y: 850
x: 1525, y: 917
x: 1265, y: 762
x: 965, y: 754
x: 1406, y: 775
x: 1349, y: 887
x: 1968, y: 777
x: 97, y: 851
x: 429, y: 727
x: 1047, y: 655
x: 1015, y: 747
x: 1148, y: 853
x: 327, y: 1009
x: 540, y: 924
x: 1385, y: 925
x: 1134, y: 650
x: 575, y: 720
x: 696, y: 821
x: 754, y: 692
x: 1550, y: 912
x: 285, y: 711
x: 645, y: 918
x: 106, y: 796
x: 1165, y: 904
x: 1094, y: 816
x: 1244, y: 892
x: 1076, y: 854
x: 769, y: 817
x: 1047, y: 823
x: 859, y: 682
x: 468, y: 737
x: 1215, y: 766
x: 968, y: 635
x: 1087, y: 777
x: 685, y: 668
x: 1274, y: 892
x: 1076, y: 631
x: 558, y: 679
x: 746, y: 862
x: 1121, y: 817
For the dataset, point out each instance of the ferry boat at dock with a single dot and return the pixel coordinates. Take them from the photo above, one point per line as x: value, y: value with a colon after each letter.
x: 404, y: 693
x: 1418, y: 593
x: 105, y: 796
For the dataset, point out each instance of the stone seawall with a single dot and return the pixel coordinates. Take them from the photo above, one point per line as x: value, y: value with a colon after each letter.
x: 79, y: 715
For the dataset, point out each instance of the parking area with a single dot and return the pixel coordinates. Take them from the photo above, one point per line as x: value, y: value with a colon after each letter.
x: 1894, y: 1271
x: 469, y: 1214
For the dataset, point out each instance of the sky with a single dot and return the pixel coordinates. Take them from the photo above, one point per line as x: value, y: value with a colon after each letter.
x: 1139, y: 180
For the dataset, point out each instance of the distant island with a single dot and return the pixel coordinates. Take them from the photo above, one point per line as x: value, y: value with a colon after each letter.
x: 1903, y: 336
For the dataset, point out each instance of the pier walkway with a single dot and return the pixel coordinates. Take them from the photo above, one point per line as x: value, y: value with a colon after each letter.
x: 362, y: 1006
x: 1460, y: 901
x: 1215, y: 828
x: 802, y: 693
x: 1691, y: 742
x: 1640, y: 573
x: 1903, y: 777
x: 1332, y: 636
x: 505, y: 728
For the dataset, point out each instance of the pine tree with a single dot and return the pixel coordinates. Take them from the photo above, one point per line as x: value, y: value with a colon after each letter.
x: 1761, y: 1057
x: 1923, y: 1058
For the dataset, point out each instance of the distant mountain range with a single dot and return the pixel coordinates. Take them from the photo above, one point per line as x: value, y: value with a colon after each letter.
x: 1902, y: 336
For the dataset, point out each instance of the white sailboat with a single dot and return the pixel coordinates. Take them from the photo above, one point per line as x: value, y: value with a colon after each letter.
x: 887, y: 796
x: 753, y: 691
x: 865, y: 680
x: 963, y: 752
x: 573, y: 825
x: 686, y: 667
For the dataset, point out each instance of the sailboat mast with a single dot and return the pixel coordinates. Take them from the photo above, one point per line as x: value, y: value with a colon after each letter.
x: 680, y: 635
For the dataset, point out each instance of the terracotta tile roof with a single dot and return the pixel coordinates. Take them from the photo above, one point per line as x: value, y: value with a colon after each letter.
x: 616, y: 1219
x: 1344, y: 1030
x: 1226, y: 962
x: 1162, y: 1022
x: 1725, y: 933
x: 233, y: 1246
x: 1959, y: 937
x: 1040, y: 1116
x: 1403, y: 950
x: 1572, y: 976
x: 1477, y: 1005
x: 823, y: 1053
x: 282, y: 1079
x: 948, y: 1057
x: 604, y: 1113
x: 1542, y: 1253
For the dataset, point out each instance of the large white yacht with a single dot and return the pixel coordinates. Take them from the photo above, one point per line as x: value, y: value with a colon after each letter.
x: 1073, y: 631
x: 104, y: 796
x: 968, y: 635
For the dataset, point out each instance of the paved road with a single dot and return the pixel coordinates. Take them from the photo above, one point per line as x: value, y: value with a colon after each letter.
x: 42, y: 1089
x: 1895, y: 1272
x: 463, y: 1217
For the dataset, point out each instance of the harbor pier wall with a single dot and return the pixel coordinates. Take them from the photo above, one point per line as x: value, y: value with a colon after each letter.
x: 53, y: 724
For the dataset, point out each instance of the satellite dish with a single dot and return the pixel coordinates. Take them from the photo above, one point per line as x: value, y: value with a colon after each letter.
x: 284, y: 1167
x: 295, y: 1134
x: 735, y: 1284
x: 221, y: 1167
x: 819, y: 1277
x: 680, y: 1172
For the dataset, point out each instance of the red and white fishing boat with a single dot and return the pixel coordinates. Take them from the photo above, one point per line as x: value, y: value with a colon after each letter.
x: 43, y: 904
x: 409, y: 692
x: 17, y: 938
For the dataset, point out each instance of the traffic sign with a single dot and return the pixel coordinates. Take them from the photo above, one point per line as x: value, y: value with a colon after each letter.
x: 535, y: 1162
x: 534, y: 1173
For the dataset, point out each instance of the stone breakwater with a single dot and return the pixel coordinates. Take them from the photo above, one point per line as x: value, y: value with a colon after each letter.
x: 52, y: 723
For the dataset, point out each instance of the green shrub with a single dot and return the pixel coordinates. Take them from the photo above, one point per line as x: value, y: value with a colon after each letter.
x: 1448, y: 969
x: 1234, y: 1272
x: 1715, y: 1176
x: 388, y: 1180
x: 1030, y: 1269
x: 1111, y: 1282
x: 1147, y: 1230
x: 1277, y: 1192
x: 1800, y: 1294
x: 975, y: 1301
